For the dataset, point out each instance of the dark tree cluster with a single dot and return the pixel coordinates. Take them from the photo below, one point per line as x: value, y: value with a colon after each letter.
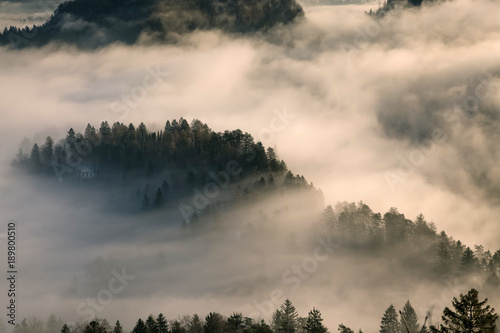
x: 95, y: 23
x: 469, y: 315
x: 128, y: 151
x: 416, y: 244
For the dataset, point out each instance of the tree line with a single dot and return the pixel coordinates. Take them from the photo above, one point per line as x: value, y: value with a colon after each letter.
x: 469, y: 315
x: 414, y: 244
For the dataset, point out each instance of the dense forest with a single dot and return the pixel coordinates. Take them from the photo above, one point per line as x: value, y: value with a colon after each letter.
x: 469, y: 314
x: 95, y: 23
x: 157, y: 170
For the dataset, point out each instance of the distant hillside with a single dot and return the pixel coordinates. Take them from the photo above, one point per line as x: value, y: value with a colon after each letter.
x: 95, y: 23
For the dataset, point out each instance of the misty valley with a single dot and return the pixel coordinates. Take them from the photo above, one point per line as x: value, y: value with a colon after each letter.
x: 231, y: 194
x: 249, y: 166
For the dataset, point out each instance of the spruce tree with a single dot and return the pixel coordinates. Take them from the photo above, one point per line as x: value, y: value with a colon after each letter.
x: 314, y: 322
x: 161, y: 324
x: 65, y: 329
x: 140, y: 327
x: 118, y: 327
x: 390, y: 322
x: 35, y: 157
x: 195, y: 325
x: 470, y: 315
x: 151, y: 324
x: 409, y: 319
x: 214, y: 323
x: 289, y: 318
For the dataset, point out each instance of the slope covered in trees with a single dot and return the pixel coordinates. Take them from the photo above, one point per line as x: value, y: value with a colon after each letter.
x: 155, y: 169
x: 94, y: 23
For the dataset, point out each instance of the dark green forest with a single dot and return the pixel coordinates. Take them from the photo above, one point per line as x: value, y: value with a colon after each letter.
x: 90, y: 24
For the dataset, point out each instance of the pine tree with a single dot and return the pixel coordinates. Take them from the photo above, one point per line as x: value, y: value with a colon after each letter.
x: 409, y: 319
x: 48, y: 151
x: 470, y: 315
x: 118, y: 327
x: 140, y: 327
x: 314, y: 322
x: 289, y: 318
x: 95, y: 326
x: 35, y: 157
x: 234, y: 322
x: 214, y: 323
x: 390, y: 322
x: 151, y: 324
x: 195, y: 325
x: 161, y: 324
x: 65, y: 329
x: 276, y: 321
x: 469, y: 263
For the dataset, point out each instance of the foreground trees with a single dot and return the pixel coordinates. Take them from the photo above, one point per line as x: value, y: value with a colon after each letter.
x: 470, y: 316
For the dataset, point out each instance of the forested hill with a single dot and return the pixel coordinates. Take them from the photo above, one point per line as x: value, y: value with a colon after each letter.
x: 95, y: 23
x: 156, y: 169
x: 226, y: 172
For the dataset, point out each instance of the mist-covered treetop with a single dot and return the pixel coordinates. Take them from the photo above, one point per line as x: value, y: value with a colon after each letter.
x: 95, y: 23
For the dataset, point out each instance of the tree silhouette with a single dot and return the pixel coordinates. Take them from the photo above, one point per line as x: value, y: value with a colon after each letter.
x: 470, y: 315
x: 390, y: 322
x: 314, y: 322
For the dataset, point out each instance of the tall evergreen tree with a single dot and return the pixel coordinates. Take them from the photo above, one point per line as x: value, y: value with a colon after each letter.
x: 289, y: 318
x: 65, y: 329
x: 95, y: 326
x: 118, y: 327
x: 195, y: 325
x: 35, y: 156
x: 140, y: 327
x: 470, y: 316
x: 234, y: 322
x: 214, y: 323
x: 161, y: 324
x: 409, y: 319
x: 390, y: 322
x: 469, y: 263
x: 47, y: 154
x: 151, y: 324
x: 314, y: 322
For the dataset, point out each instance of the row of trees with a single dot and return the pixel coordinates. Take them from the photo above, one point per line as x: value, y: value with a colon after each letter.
x: 469, y: 315
x: 133, y: 152
x: 417, y: 242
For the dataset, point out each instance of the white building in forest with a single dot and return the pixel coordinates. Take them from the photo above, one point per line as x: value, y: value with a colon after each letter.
x: 84, y: 173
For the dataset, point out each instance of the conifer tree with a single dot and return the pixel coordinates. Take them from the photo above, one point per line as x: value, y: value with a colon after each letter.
x: 470, y: 315
x: 118, y: 327
x: 390, y: 322
x: 314, y: 322
x: 409, y: 319
x: 161, y: 324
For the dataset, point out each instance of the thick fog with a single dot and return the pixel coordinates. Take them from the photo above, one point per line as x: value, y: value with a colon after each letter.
x: 401, y: 112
